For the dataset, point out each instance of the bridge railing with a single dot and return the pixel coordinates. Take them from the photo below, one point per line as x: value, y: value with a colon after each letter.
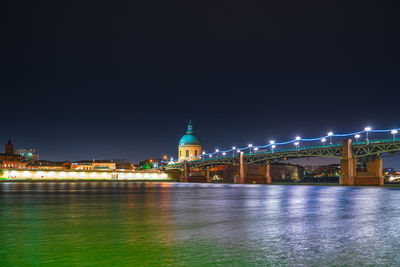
x: 270, y: 152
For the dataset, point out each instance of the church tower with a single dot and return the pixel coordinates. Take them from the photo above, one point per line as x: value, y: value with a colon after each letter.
x: 9, y: 148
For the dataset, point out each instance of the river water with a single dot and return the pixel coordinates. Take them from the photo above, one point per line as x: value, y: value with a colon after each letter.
x: 178, y: 224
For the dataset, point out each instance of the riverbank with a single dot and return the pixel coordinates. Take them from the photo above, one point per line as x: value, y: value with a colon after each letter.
x: 86, y: 180
x: 2, y: 180
x: 36, y: 174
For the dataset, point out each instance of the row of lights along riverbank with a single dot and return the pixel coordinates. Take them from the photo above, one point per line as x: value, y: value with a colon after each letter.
x: 272, y: 144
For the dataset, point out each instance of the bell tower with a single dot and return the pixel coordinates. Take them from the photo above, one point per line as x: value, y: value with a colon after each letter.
x: 9, y: 148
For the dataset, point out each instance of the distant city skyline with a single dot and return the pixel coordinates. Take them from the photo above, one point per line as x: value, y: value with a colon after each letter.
x: 392, y: 161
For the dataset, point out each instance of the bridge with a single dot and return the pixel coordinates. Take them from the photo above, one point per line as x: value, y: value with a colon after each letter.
x: 369, y: 152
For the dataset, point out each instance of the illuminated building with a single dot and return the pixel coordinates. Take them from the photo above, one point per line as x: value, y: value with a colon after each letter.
x: 9, y: 153
x: 123, y: 164
x: 189, y: 146
x: 93, y: 165
x: 12, y: 164
x: 86, y: 175
x: 28, y: 154
x: 49, y: 165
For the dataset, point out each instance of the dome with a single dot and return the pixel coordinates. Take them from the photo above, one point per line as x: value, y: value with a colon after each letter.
x: 190, y: 138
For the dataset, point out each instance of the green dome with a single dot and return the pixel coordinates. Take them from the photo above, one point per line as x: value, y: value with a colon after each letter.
x: 190, y: 138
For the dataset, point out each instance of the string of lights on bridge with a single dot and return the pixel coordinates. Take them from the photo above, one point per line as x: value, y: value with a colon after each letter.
x: 296, y: 142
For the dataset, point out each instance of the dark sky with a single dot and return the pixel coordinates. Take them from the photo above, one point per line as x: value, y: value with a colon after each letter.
x: 120, y: 79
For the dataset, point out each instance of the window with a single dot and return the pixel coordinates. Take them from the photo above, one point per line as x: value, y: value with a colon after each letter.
x: 187, y: 153
x: 195, y: 153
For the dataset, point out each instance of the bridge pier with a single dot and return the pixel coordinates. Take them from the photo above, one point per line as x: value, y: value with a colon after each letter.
x: 262, y: 175
x: 347, y: 164
x: 348, y: 168
x: 267, y: 173
x: 375, y: 167
x: 185, y: 174
x: 208, y: 177
x: 373, y: 176
x: 242, y: 169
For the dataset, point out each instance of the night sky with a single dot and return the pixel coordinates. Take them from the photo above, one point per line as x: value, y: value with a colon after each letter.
x: 120, y: 79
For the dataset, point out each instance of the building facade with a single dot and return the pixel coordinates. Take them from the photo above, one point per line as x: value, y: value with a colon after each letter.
x: 9, y: 153
x: 48, y: 165
x: 28, y: 154
x: 12, y: 164
x: 87, y: 165
x: 189, y: 145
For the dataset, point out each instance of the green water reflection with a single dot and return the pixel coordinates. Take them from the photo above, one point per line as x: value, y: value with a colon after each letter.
x: 152, y: 224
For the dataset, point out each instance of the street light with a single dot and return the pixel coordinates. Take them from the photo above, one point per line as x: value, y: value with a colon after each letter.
x: 250, y: 145
x: 272, y: 142
x: 367, y: 129
x: 394, y: 132
x: 256, y: 149
x: 298, y: 138
x: 233, y: 151
x: 323, y: 140
x: 297, y: 145
x: 330, y: 134
x: 357, y: 136
x: 223, y: 154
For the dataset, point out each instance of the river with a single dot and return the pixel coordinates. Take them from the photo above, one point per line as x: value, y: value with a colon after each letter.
x: 179, y: 224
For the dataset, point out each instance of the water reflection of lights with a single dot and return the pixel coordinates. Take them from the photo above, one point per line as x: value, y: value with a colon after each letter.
x: 394, y: 178
x: 365, y: 210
